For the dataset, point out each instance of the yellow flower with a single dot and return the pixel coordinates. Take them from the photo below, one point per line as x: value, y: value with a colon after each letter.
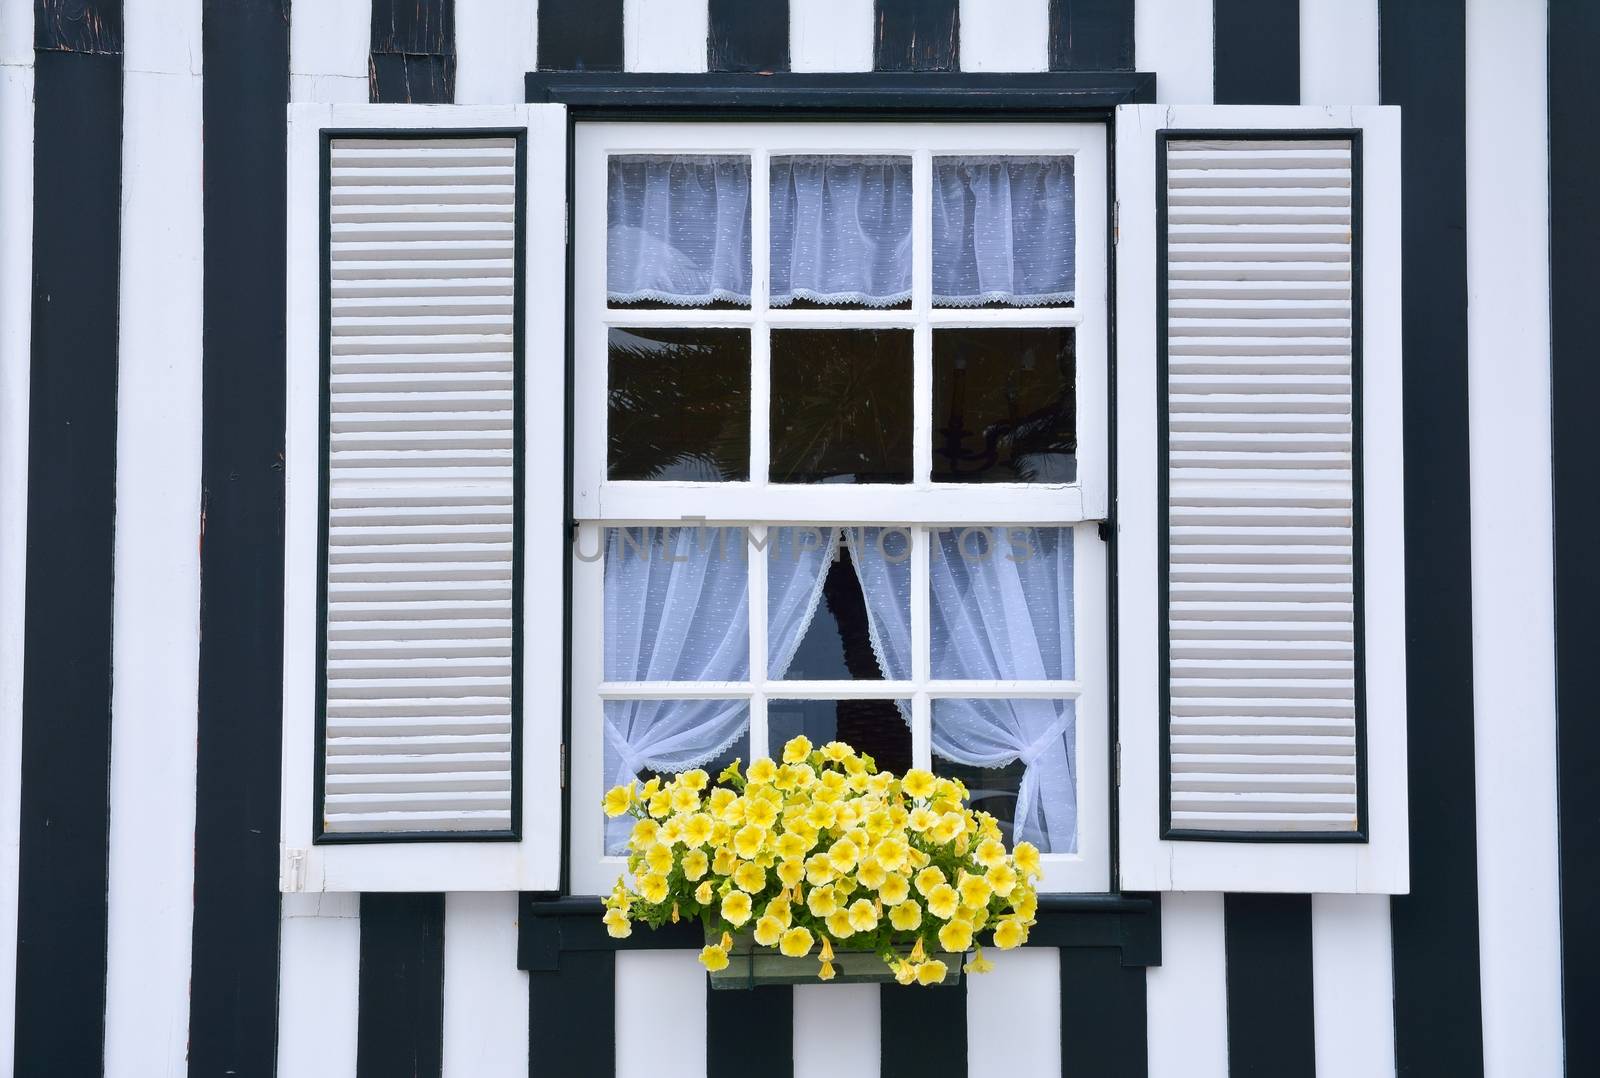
x: 1010, y: 933
x: 768, y: 929
x: 731, y: 772
x: 917, y: 783
x: 894, y: 889
x: 979, y: 964
x: 863, y: 915
x: 839, y: 924
x: 695, y: 863
x: 660, y: 804
x: 762, y: 772
x: 842, y: 855
x: 879, y: 822
x: 804, y: 832
x: 694, y: 780
x: 990, y: 853
x: 836, y: 751
x: 736, y: 908
x: 947, y: 829
x: 955, y: 937
x: 713, y: 958
x: 672, y: 830
x: 1027, y: 855
x: 917, y: 953
x: 821, y: 814
x: 797, y: 749
x: 795, y: 943
x: 804, y: 776
x: 906, y: 916
x: 881, y: 782
x: 750, y: 876
x: 719, y: 800
x: 821, y: 901
x: 931, y: 972
x: 790, y: 846
x: 644, y: 833
x: 891, y: 852
x: 659, y: 858
x: 832, y: 782
x: 617, y: 924
x: 761, y: 812
x: 652, y: 887
x: 779, y: 908
x: 684, y: 799
x: 1025, y: 904
x: 826, y: 954
x: 921, y: 819
x: 724, y: 862
x: 1002, y: 879
x: 871, y: 874
x: 928, y: 879
x: 905, y: 972
x: 697, y: 829
x: 818, y: 869
x: 702, y: 894
x: 975, y: 892
x: 826, y: 972
x: 748, y: 839
x: 791, y: 872
x: 943, y: 901
x: 733, y: 812
x: 786, y: 778
x: 619, y: 799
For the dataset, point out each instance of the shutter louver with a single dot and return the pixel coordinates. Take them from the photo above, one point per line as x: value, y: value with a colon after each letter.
x: 1261, y: 552
x: 422, y: 486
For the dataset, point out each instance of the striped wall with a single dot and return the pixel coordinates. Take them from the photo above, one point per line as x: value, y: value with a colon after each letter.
x: 141, y: 431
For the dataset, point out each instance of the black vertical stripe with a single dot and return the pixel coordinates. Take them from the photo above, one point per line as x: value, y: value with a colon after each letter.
x: 1091, y: 35
x: 572, y: 1015
x: 923, y: 1029
x: 1103, y: 1030
x: 1256, y: 52
x: 413, y: 54
x: 742, y: 36
x: 580, y: 35
x: 1438, y: 1020
x: 1271, y: 1017
x: 916, y: 35
x: 72, y: 459
x: 234, y: 985
x: 400, y: 1013
x: 1575, y: 386
x: 747, y: 1024
x: 91, y: 27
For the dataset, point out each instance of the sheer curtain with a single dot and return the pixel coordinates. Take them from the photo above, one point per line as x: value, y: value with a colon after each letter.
x: 678, y: 229
x: 841, y: 230
x: 1003, y: 231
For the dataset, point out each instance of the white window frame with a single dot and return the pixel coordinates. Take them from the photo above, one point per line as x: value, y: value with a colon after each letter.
x: 599, y: 503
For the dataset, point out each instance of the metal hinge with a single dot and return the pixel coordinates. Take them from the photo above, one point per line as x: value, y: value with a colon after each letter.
x: 1116, y: 221
x: 563, y: 765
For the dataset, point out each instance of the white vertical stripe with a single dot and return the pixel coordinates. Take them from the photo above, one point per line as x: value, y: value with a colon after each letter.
x: 1339, y: 52
x: 1513, y: 641
x: 836, y: 1031
x: 496, y: 45
x: 1005, y: 35
x: 16, y: 302
x: 664, y: 35
x: 1353, y: 985
x: 485, y: 994
x: 830, y: 35
x: 1173, y: 39
x: 319, y: 985
x: 661, y: 1014
x: 1186, y: 997
x: 156, y: 604
x: 328, y: 45
x: 1014, y: 1014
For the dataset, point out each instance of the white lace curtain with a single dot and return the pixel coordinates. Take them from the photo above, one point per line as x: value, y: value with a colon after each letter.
x: 678, y: 230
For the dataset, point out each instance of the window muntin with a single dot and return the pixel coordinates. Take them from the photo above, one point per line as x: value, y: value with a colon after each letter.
x: 844, y: 499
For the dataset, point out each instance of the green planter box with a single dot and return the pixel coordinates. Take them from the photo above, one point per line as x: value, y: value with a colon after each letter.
x: 751, y: 966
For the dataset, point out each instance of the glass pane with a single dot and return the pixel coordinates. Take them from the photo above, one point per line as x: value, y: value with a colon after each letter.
x: 679, y: 404
x: 839, y: 603
x: 879, y: 728
x: 676, y: 605
x: 983, y: 743
x: 1001, y: 604
x: 1004, y: 406
x: 678, y: 231
x: 841, y: 231
x: 645, y: 738
x: 841, y: 406
x: 1003, y: 231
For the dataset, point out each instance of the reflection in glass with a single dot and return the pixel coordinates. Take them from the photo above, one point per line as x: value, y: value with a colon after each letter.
x: 841, y: 231
x: 1004, y: 406
x: 678, y: 230
x: 664, y: 737
x: 1018, y: 761
x: 841, y: 406
x: 679, y: 404
x: 879, y: 728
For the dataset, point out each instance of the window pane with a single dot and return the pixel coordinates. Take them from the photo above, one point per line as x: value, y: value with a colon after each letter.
x: 1004, y: 406
x: 676, y: 605
x: 841, y: 231
x: 838, y: 603
x: 678, y: 230
x: 662, y: 737
x: 1003, y: 231
x: 841, y: 406
x: 1001, y: 604
x: 994, y: 745
x: 879, y: 728
x: 679, y: 404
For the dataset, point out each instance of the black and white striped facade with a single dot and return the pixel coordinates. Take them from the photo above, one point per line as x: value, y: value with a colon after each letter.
x: 143, y: 218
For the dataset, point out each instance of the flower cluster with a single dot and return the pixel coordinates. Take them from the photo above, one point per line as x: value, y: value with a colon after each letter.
x: 820, y: 851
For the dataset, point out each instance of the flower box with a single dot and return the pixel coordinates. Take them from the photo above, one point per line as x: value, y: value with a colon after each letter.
x: 751, y: 966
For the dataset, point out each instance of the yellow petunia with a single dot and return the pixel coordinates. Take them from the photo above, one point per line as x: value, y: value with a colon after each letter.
x: 979, y: 964
x: 1027, y: 857
x: 1002, y: 878
x: 928, y: 879
x: 804, y: 776
x: 921, y: 818
x: 891, y: 852
x: 702, y: 894
x: 905, y: 972
x: 761, y: 812
x: 790, y: 846
x: 990, y: 853
x: 795, y: 943
x: 821, y: 814
x: 617, y: 924
x: 943, y: 901
x: 918, y: 783
x: 839, y: 925
x: 713, y: 958
x: 684, y: 799
x: 906, y: 916
x: 724, y: 863
x: 826, y: 972
x: 975, y: 891
x: 894, y: 889
x: 750, y: 876
x: 836, y: 751
x: 719, y: 800
x: 1010, y: 933
x: 652, y: 887
x: 748, y: 839
x: 797, y: 749
x: 819, y: 870
x: 661, y: 805
x: 695, y: 864
x: 736, y: 908
x: 931, y: 972
x: 870, y: 874
x: 644, y: 834
x: 762, y: 772
x: 948, y: 829
x: 863, y: 915
x: 821, y: 901
x: 768, y: 929
x: 672, y: 830
x: 779, y: 908
x: 842, y: 855
x: 659, y: 858
x: 695, y: 779
x: 697, y: 829
x: 955, y: 937
x: 619, y: 799
x: 1024, y: 903
x: 791, y: 872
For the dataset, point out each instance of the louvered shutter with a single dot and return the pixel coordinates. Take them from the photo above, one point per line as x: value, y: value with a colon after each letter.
x: 1261, y: 636
x: 426, y: 443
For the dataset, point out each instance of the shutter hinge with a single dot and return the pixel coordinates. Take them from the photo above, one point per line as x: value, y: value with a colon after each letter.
x: 294, y: 870
x: 1116, y: 221
x: 563, y: 765
x: 1103, y: 529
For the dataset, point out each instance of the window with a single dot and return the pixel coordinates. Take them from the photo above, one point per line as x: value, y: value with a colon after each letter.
x: 839, y: 451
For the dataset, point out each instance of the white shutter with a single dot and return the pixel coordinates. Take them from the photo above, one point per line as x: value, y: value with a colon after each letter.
x: 426, y: 433
x: 1258, y: 461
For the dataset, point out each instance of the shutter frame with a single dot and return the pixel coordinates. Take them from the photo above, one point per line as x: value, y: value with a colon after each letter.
x: 519, y: 848
x: 1158, y: 852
